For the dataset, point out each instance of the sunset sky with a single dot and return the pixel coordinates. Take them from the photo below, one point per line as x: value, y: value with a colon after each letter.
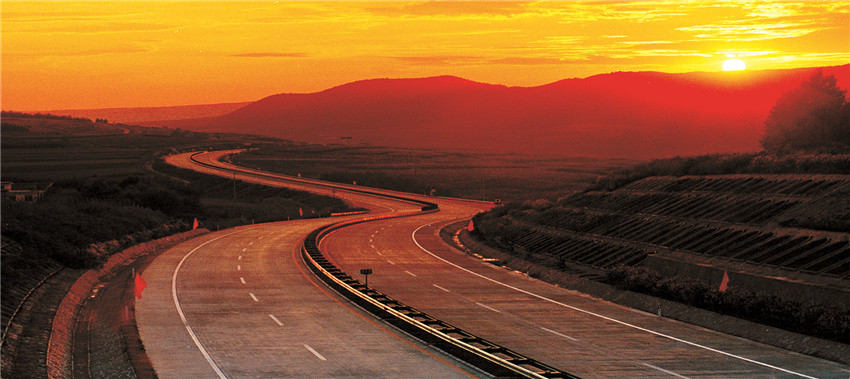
x: 66, y: 55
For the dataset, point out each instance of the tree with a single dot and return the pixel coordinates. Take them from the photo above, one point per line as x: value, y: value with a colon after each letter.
x: 814, y: 116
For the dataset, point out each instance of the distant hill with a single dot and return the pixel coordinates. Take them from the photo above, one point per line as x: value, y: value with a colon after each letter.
x: 149, y: 114
x: 634, y: 114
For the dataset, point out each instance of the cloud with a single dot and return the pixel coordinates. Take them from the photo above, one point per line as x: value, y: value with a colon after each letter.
x: 747, y: 30
x: 464, y: 60
x: 80, y: 26
x: 527, y: 61
x: 442, y: 60
x: 463, y: 9
x: 126, y: 49
x: 269, y: 55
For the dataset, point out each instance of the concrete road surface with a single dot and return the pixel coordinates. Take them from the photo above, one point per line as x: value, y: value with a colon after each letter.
x: 240, y: 304
x: 576, y: 333
x: 249, y: 306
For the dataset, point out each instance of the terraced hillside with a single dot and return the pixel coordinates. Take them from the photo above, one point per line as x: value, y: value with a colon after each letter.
x: 785, y: 234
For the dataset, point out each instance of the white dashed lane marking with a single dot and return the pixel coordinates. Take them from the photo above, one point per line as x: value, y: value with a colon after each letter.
x: 316, y: 353
x: 441, y: 288
x: 275, y: 319
x: 559, y: 334
x: 665, y: 371
x: 492, y: 309
x: 254, y: 297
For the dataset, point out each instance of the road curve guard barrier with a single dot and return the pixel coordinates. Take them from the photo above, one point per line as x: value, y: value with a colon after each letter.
x: 426, y: 205
x: 476, y: 351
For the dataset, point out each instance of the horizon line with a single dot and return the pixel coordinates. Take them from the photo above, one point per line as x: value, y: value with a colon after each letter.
x: 736, y: 73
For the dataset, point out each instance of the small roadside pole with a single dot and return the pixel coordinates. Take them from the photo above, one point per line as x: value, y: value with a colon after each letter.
x: 366, y: 272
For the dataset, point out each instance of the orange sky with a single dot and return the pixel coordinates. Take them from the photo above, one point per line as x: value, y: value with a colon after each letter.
x: 63, y: 55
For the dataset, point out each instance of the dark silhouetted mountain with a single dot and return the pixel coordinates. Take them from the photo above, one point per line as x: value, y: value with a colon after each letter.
x: 638, y: 114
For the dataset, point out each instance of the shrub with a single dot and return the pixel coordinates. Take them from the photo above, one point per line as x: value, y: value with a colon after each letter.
x: 814, y: 319
x: 640, y: 279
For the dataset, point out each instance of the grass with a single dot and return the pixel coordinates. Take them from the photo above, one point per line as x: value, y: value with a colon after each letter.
x: 460, y: 174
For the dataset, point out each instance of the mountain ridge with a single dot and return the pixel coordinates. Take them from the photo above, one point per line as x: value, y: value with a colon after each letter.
x: 637, y: 114
x: 643, y: 114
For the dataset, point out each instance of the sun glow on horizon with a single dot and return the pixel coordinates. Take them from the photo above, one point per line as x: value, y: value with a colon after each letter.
x: 734, y: 65
x: 103, y: 54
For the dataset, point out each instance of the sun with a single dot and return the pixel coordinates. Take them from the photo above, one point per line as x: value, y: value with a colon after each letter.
x: 734, y: 65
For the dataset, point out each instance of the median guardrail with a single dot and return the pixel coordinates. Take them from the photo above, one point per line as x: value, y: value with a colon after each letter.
x: 426, y: 205
x: 478, y: 352
x: 485, y: 355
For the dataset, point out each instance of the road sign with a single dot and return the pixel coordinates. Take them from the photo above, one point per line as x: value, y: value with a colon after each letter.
x: 366, y: 272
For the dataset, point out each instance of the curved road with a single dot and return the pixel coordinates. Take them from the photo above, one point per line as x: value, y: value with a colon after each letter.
x: 576, y: 333
x: 581, y: 335
x: 241, y: 303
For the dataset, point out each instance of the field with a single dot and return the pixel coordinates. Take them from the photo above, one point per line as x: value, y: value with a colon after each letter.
x: 44, y: 149
x: 471, y: 175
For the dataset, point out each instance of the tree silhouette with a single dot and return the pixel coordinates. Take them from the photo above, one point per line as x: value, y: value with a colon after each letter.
x: 812, y: 117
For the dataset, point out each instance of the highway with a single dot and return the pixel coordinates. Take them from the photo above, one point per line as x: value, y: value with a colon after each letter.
x: 240, y: 303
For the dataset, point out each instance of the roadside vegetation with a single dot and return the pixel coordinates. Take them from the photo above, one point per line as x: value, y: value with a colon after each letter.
x: 79, y: 223
x: 807, y: 132
x: 800, y: 162
x: 810, y: 318
x: 225, y: 202
x: 109, y: 192
x: 469, y: 175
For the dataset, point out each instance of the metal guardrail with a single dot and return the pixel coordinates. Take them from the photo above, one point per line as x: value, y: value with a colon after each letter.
x: 485, y: 355
x: 478, y: 352
x: 426, y: 205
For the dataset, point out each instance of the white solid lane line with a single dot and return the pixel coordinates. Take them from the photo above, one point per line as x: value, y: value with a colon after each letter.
x: 316, y: 353
x: 183, y: 316
x: 665, y: 371
x: 694, y: 344
x: 275, y: 320
x: 254, y: 297
x: 559, y: 334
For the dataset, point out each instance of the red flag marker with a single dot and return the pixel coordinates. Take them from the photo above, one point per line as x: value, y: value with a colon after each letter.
x: 725, y: 282
x: 195, y: 224
x: 140, y: 285
x: 301, y: 212
x: 471, y: 226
